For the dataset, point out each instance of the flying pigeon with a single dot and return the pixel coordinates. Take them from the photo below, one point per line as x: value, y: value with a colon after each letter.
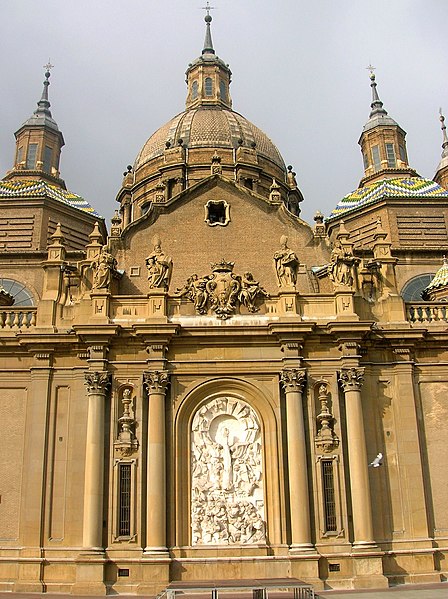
x: 378, y: 461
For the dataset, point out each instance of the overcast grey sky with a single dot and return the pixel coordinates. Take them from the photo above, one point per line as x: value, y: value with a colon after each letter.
x: 299, y: 73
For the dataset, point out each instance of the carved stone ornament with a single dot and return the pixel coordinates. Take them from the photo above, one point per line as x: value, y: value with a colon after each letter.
x: 156, y: 382
x: 227, y: 504
x: 351, y: 379
x: 97, y: 382
x: 126, y: 444
x: 326, y: 439
x: 222, y: 292
x: 293, y: 380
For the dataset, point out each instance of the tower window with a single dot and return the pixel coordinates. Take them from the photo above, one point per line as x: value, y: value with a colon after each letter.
x: 376, y: 157
x: 208, y: 86
x: 19, y: 155
x: 366, y: 160
x: 390, y: 154
x: 329, y: 496
x: 124, y: 500
x: 31, y: 156
x: 194, y: 90
x: 223, y: 90
x: 47, y: 159
x: 403, y: 156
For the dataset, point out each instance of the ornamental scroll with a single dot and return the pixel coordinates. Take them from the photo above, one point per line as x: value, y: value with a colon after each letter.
x: 227, y: 504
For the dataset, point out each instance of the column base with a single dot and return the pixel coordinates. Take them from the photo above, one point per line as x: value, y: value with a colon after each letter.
x: 365, y: 546
x: 156, y: 553
x: 90, y: 572
x: 301, y: 548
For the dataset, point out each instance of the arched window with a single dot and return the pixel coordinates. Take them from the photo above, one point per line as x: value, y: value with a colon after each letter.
x: 208, y: 85
x: 222, y: 90
x: 412, y: 290
x: 194, y: 90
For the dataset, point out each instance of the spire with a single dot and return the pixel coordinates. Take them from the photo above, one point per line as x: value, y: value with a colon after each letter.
x: 43, y: 106
x: 376, y: 105
x: 445, y: 137
x: 208, y: 43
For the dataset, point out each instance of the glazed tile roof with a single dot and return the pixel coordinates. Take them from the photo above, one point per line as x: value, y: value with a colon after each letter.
x: 412, y: 187
x: 40, y: 189
x: 440, y: 278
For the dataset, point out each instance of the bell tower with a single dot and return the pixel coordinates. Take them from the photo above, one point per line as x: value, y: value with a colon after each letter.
x: 39, y: 143
x: 383, y: 143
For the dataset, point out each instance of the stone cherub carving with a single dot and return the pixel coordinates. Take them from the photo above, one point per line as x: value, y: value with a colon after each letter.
x: 286, y: 264
x: 341, y: 267
x: 159, y: 266
x: 103, y: 268
x: 249, y: 292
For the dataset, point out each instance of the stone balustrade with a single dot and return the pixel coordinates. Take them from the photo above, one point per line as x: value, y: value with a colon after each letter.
x: 425, y: 312
x: 17, y: 318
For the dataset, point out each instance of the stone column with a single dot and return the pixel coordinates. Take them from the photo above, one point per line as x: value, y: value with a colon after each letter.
x: 351, y: 380
x: 156, y: 383
x: 293, y: 381
x: 97, y: 384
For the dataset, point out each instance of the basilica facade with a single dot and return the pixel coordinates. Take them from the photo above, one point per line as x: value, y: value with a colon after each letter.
x: 213, y: 388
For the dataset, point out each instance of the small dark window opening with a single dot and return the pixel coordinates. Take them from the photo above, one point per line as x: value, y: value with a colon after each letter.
x: 31, y: 156
x: 208, y: 86
x: 329, y: 496
x: 249, y: 183
x: 334, y: 567
x: 217, y: 213
x: 124, y: 501
x: 123, y: 571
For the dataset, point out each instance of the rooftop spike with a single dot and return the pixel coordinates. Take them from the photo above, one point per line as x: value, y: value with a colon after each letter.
x: 445, y: 137
x: 208, y: 43
x: 43, y: 106
x: 376, y: 105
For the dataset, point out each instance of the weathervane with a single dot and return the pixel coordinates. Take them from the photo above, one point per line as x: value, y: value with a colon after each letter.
x: 208, y: 8
x: 371, y: 69
x: 48, y: 66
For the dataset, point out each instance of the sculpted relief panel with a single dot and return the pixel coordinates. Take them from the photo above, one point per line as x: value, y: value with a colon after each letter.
x: 227, y: 504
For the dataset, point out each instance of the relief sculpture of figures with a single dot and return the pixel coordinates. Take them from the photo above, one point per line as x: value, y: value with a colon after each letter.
x: 222, y: 291
x: 159, y: 266
x: 286, y: 264
x: 226, y: 481
x: 103, y: 268
x: 341, y: 266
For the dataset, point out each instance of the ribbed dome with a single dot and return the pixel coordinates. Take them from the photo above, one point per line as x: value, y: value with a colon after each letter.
x: 209, y: 127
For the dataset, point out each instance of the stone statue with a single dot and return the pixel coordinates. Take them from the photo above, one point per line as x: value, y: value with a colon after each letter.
x: 286, y: 264
x: 249, y: 292
x: 159, y: 266
x: 195, y: 290
x: 103, y: 268
x: 341, y: 266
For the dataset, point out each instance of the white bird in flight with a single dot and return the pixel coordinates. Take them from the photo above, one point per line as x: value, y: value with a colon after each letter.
x: 378, y: 461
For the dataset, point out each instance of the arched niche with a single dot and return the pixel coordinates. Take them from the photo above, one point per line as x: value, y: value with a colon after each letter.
x: 252, y: 420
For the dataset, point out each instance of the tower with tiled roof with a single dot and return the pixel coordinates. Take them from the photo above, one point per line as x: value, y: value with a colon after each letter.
x: 441, y: 176
x: 383, y: 144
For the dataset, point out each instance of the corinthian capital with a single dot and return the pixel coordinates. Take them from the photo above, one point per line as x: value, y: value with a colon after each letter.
x: 293, y: 380
x: 97, y: 382
x: 156, y: 381
x: 351, y: 379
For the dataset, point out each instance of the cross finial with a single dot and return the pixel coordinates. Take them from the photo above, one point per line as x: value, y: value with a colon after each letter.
x: 208, y: 8
x: 48, y: 66
x: 371, y: 70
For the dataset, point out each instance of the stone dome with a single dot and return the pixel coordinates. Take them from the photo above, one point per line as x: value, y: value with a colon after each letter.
x: 209, y: 127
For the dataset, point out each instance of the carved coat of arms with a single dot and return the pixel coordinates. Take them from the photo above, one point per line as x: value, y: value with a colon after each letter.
x: 222, y: 291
